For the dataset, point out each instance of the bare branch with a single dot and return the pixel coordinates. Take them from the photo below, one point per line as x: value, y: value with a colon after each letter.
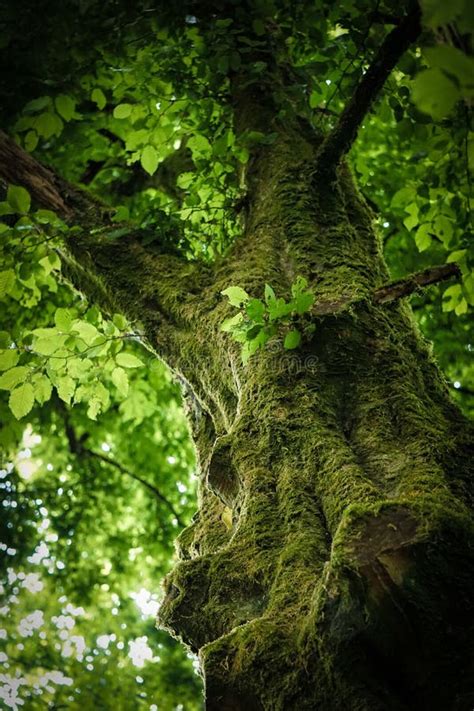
x: 153, y: 489
x: 76, y: 447
x: 343, y: 135
x: 463, y: 390
x: 393, y: 291
x: 405, y: 287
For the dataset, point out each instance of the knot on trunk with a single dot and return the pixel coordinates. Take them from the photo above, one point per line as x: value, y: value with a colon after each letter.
x: 222, y: 477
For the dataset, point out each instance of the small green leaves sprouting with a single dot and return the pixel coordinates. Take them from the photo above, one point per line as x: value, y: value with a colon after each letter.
x: 258, y: 321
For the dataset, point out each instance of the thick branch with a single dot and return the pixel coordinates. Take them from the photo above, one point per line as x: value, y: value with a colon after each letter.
x: 341, y: 138
x: 46, y: 188
x: 108, y: 262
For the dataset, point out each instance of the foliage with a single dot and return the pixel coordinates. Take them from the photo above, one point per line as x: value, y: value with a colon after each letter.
x: 259, y: 320
x: 135, y: 108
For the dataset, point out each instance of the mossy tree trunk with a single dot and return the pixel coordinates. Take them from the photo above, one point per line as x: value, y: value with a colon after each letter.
x: 331, y: 562
x: 344, y: 579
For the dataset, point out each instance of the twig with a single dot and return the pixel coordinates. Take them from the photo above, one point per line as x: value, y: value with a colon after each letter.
x: 156, y: 492
x: 76, y: 447
x: 463, y: 390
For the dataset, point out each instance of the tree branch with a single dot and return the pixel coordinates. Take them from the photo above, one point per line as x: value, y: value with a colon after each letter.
x: 340, y: 139
x: 107, y: 261
x: 463, y: 390
x: 154, y: 490
x: 405, y: 287
x: 394, y: 290
x: 46, y: 188
x: 76, y: 447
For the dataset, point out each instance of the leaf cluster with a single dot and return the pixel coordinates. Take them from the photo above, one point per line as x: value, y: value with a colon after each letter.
x: 259, y: 320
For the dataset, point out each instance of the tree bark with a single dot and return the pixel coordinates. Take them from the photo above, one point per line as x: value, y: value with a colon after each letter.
x: 343, y: 579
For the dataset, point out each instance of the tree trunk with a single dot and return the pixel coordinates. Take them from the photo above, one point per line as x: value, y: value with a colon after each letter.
x: 331, y: 562
x: 344, y: 580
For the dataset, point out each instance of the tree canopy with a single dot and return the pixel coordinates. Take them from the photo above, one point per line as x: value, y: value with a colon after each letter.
x: 131, y: 102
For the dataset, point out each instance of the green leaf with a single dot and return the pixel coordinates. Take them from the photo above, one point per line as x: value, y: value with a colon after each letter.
x: 451, y: 297
x: 122, y: 111
x: 303, y: 302
x: 443, y: 228
x: 434, y: 94
x: 236, y: 295
x: 47, y: 346
x: 7, y: 281
x: 21, y: 400
x: 65, y: 106
x: 42, y: 388
x: 403, y: 196
x: 149, y: 159
x: 292, y: 340
x: 231, y: 323
x: 44, y: 332
x: 5, y: 339
x: 120, y: 321
x: 127, y: 360
x: 453, y: 61
x: 456, y: 256
x: 19, y: 199
x: 37, y: 104
x: 255, y: 310
x: 94, y: 408
x: 298, y: 286
x: 31, y: 141
x: 86, y: 331
x: 12, y: 377
x: 98, y: 97
x: 279, y: 309
x: 468, y: 284
x: 48, y: 125
x: 8, y: 359
x: 260, y: 339
x: 63, y: 319
x: 78, y: 367
x: 120, y: 380
x: 269, y: 294
x: 423, y: 236
x: 65, y: 387
x: 253, y: 331
x: 199, y: 144
x: 99, y: 401
x: 245, y: 355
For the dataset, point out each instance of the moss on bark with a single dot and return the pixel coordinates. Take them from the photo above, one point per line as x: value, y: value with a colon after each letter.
x: 344, y: 580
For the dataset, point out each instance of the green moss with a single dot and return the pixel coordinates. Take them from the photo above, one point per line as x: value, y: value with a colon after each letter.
x: 350, y: 509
